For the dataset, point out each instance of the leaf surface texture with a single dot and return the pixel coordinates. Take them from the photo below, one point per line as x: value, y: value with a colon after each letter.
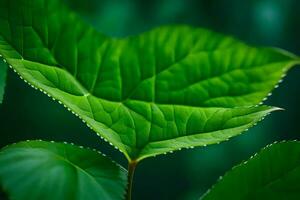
x: 38, y: 170
x: 274, y: 173
x: 170, y: 88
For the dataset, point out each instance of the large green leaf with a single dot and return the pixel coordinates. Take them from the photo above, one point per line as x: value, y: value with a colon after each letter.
x: 3, y: 72
x: 274, y: 173
x: 170, y: 88
x: 39, y: 170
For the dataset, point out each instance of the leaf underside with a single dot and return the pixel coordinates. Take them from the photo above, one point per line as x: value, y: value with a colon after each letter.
x: 38, y: 170
x: 170, y: 88
x: 3, y: 73
x: 274, y: 173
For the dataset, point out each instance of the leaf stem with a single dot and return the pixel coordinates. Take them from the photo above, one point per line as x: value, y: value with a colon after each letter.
x: 131, y: 169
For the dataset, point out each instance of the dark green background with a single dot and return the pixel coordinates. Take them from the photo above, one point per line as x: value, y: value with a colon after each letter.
x: 28, y: 114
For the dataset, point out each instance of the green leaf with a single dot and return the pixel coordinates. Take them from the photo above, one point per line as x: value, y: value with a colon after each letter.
x: 170, y: 88
x: 3, y: 73
x: 274, y: 173
x: 38, y: 170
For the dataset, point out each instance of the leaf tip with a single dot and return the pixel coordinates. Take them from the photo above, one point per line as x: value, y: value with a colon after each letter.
x: 277, y: 109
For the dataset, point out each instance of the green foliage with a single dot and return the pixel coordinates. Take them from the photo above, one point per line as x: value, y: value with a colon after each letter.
x: 273, y: 173
x: 3, y: 72
x: 170, y: 88
x: 38, y: 170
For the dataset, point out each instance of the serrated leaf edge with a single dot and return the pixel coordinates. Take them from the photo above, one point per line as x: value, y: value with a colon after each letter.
x: 245, y: 162
x: 123, y: 151
x: 216, y: 143
x: 62, y: 103
x: 65, y: 143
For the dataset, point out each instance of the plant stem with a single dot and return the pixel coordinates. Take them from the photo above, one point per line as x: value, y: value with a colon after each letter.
x: 131, y: 169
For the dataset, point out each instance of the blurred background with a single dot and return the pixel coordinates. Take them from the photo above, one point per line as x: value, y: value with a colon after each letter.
x: 28, y: 114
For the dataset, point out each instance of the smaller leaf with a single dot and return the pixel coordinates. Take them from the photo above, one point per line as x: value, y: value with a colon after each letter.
x: 38, y: 170
x: 274, y: 173
x: 3, y: 73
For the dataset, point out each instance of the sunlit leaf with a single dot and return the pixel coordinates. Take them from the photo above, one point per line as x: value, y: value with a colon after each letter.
x: 274, y: 173
x: 173, y: 87
x: 39, y: 170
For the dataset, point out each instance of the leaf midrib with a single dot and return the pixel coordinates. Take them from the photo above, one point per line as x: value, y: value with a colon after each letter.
x: 87, y: 93
x: 190, y: 53
x: 64, y: 159
x: 195, y: 135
